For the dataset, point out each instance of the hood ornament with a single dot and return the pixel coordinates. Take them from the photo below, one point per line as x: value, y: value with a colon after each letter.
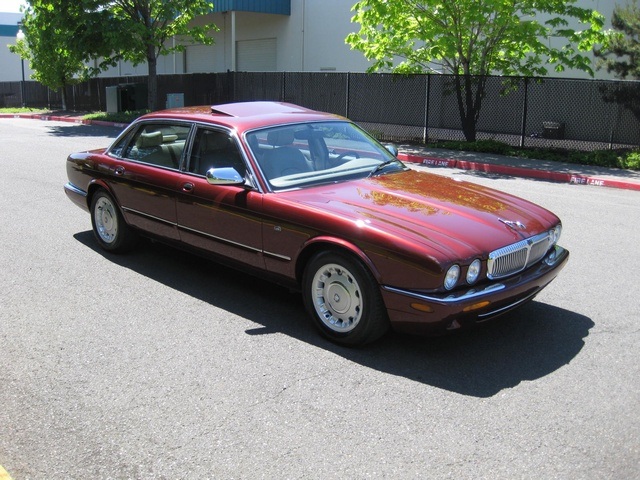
x: 513, y: 225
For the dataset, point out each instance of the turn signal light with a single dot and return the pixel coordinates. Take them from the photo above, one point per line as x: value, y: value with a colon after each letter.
x: 476, y: 306
x: 422, y: 307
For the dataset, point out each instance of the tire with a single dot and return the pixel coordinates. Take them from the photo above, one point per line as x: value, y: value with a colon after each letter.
x: 111, y: 231
x: 343, y: 299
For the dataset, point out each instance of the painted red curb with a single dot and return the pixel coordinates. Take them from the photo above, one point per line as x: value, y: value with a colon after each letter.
x: 560, y: 177
x: 57, y: 118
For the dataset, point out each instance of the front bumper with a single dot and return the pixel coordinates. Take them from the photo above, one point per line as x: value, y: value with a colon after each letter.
x: 420, y: 313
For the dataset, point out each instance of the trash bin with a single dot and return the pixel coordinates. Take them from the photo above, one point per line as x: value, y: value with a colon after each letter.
x: 175, y: 100
x: 126, y: 97
x: 133, y: 96
x: 113, y: 99
x: 554, y: 130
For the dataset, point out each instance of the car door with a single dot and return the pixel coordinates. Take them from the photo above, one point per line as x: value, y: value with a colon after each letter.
x: 146, y: 176
x: 220, y: 219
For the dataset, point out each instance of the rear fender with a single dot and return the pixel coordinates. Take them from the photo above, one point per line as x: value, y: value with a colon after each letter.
x: 94, y: 186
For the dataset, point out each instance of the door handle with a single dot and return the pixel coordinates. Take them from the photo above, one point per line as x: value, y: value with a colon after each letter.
x: 187, y: 187
x: 119, y: 170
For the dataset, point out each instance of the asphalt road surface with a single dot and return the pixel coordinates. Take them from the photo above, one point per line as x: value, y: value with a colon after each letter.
x: 161, y: 365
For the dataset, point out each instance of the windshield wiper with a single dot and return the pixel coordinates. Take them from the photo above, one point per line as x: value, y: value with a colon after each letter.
x: 382, y: 166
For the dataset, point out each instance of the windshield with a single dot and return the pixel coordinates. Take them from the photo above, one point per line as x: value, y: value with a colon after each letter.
x: 305, y: 154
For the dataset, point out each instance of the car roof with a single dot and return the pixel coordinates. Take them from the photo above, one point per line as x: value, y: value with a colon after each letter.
x: 243, y: 116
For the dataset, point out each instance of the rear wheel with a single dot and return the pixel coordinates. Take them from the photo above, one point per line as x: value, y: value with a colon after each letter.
x: 343, y: 299
x: 109, y: 228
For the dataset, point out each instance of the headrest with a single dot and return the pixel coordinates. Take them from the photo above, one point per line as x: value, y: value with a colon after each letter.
x: 152, y: 139
x: 214, y: 141
x: 278, y: 138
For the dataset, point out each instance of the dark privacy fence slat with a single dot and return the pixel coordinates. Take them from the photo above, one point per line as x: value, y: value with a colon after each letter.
x: 566, y: 113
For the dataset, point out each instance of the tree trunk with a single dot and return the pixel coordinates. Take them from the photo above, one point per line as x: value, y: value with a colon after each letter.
x: 63, y: 94
x: 469, y: 128
x: 152, y: 92
x: 466, y: 108
x: 469, y: 103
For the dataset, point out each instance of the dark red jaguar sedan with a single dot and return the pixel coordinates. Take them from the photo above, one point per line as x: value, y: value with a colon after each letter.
x: 313, y: 202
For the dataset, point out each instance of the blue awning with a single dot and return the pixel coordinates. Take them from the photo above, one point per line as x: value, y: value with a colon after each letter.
x: 8, y: 30
x: 279, y: 7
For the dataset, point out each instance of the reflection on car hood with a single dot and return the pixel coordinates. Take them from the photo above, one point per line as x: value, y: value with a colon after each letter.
x: 457, y: 219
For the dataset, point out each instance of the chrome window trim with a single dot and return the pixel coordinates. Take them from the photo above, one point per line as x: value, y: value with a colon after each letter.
x: 240, y: 145
x: 133, y: 128
x: 293, y: 123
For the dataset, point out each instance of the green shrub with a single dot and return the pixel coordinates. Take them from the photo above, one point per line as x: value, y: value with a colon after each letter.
x: 120, y: 117
x: 493, y: 146
x: 554, y: 155
x: 21, y: 110
x: 483, y: 146
x: 598, y: 158
x: 630, y: 160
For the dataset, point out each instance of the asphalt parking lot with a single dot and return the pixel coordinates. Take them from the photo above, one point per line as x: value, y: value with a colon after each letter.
x: 158, y: 364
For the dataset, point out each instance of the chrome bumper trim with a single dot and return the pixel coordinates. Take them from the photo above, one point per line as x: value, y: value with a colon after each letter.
x: 508, y: 307
x: 73, y: 189
x: 451, y: 299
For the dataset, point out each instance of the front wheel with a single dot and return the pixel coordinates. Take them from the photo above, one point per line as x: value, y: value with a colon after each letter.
x: 109, y: 228
x: 343, y: 299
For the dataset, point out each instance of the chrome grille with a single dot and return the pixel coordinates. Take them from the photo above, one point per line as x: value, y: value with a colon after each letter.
x: 518, y: 256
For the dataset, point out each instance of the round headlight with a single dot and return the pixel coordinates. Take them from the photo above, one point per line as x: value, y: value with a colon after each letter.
x: 474, y: 271
x: 451, y: 278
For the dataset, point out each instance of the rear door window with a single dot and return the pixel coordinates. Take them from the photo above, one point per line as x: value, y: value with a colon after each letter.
x: 159, y: 144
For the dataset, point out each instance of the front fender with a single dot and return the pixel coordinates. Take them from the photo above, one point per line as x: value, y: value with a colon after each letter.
x: 324, y: 242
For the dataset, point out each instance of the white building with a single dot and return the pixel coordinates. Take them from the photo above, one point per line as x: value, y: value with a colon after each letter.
x: 262, y: 35
x: 10, y: 63
x: 273, y: 35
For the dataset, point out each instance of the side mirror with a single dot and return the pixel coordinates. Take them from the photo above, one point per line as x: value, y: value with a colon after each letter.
x: 224, y: 176
x: 392, y: 148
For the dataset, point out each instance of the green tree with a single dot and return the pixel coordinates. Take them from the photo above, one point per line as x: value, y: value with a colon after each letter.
x: 621, y: 57
x: 61, y: 38
x: 622, y: 54
x: 475, y: 38
x: 146, y: 26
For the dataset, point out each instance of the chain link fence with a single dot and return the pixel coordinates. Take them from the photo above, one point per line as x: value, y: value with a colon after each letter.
x: 526, y: 112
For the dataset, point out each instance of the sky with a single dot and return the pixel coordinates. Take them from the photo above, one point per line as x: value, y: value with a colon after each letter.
x: 10, y: 6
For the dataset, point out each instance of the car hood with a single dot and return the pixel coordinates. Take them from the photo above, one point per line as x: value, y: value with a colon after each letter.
x: 457, y: 219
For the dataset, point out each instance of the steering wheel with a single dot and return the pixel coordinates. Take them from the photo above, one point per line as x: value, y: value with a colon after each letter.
x: 336, y: 161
